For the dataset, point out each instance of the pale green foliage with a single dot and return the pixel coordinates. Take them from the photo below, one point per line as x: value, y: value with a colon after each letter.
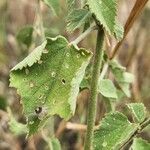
x: 140, y: 144
x: 14, y: 126
x: 138, y: 111
x: 114, y: 130
x: 54, y: 144
x: 48, y: 80
x: 77, y: 18
x: 107, y: 88
x: 122, y: 77
x: 54, y: 5
x: 24, y: 36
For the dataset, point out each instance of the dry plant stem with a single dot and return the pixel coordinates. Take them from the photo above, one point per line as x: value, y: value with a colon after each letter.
x: 94, y: 87
x: 137, y: 9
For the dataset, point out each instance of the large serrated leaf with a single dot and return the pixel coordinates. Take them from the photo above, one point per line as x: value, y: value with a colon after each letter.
x: 140, y: 144
x: 77, y: 18
x: 105, y: 11
x: 48, y: 79
x: 114, y: 130
x: 138, y: 111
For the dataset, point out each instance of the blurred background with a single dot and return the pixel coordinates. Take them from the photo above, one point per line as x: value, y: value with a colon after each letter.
x: 15, y: 15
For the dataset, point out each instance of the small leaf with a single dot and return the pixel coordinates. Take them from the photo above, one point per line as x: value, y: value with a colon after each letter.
x: 118, y: 31
x: 55, y: 144
x: 138, y: 111
x: 48, y: 80
x: 140, y: 144
x: 107, y: 88
x: 114, y: 130
x: 77, y: 18
x: 24, y: 36
x: 123, y: 78
x: 14, y: 126
x: 54, y: 5
x: 105, y: 12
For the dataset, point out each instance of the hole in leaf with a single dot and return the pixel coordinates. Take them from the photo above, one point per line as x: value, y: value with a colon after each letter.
x: 63, y: 81
x: 38, y: 110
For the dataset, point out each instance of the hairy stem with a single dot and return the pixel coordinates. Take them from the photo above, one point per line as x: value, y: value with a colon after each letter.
x: 94, y: 87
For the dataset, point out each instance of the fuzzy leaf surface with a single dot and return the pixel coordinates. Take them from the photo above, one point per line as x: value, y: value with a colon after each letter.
x: 113, y: 131
x: 48, y: 80
x: 54, y: 5
x: 140, y: 144
x: 105, y: 12
x: 77, y: 18
x: 107, y: 88
x: 138, y: 111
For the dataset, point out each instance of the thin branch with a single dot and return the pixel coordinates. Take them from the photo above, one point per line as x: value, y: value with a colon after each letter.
x: 137, y: 9
x: 83, y: 35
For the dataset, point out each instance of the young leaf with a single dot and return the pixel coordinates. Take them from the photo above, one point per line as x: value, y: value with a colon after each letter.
x: 107, y: 89
x: 77, y: 18
x: 140, y: 144
x: 14, y: 126
x: 138, y: 111
x: 105, y: 11
x: 48, y: 79
x: 114, y: 130
x: 123, y: 78
x: 24, y: 36
x: 55, y: 144
x: 54, y: 5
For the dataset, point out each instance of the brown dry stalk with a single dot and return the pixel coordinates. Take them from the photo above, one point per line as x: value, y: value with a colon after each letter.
x: 136, y: 10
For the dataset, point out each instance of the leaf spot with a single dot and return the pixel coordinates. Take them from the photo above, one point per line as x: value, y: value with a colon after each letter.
x: 38, y: 110
x: 67, y: 54
x: 45, y: 51
x: 27, y: 71
x: 104, y: 144
x: 66, y: 66
x: 46, y: 87
x: 40, y: 62
x: 63, y: 81
x: 31, y: 84
x: 31, y: 122
x: 78, y: 55
x: 53, y: 74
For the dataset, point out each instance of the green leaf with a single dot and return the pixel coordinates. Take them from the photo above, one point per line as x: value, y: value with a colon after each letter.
x: 71, y: 5
x: 138, y: 111
x: 105, y: 11
x: 140, y: 144
x: 54, y: 5
x: 55, y: 144
x: 24, y: 36
x: 118, y: 31
x: 77, y: 18
x: 122, y: 77
x: 14, y: 126
x: 114, y: 130
x: 48, y: 79
x: 107, y: 88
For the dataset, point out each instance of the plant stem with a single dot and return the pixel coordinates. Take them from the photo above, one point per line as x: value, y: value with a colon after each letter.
x: 94, y: 87
x: 83, y: 35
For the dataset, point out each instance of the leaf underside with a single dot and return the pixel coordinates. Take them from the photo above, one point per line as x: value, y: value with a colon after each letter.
x: 113, y: 131
x: 138, y: 111
x: 48, y: 80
